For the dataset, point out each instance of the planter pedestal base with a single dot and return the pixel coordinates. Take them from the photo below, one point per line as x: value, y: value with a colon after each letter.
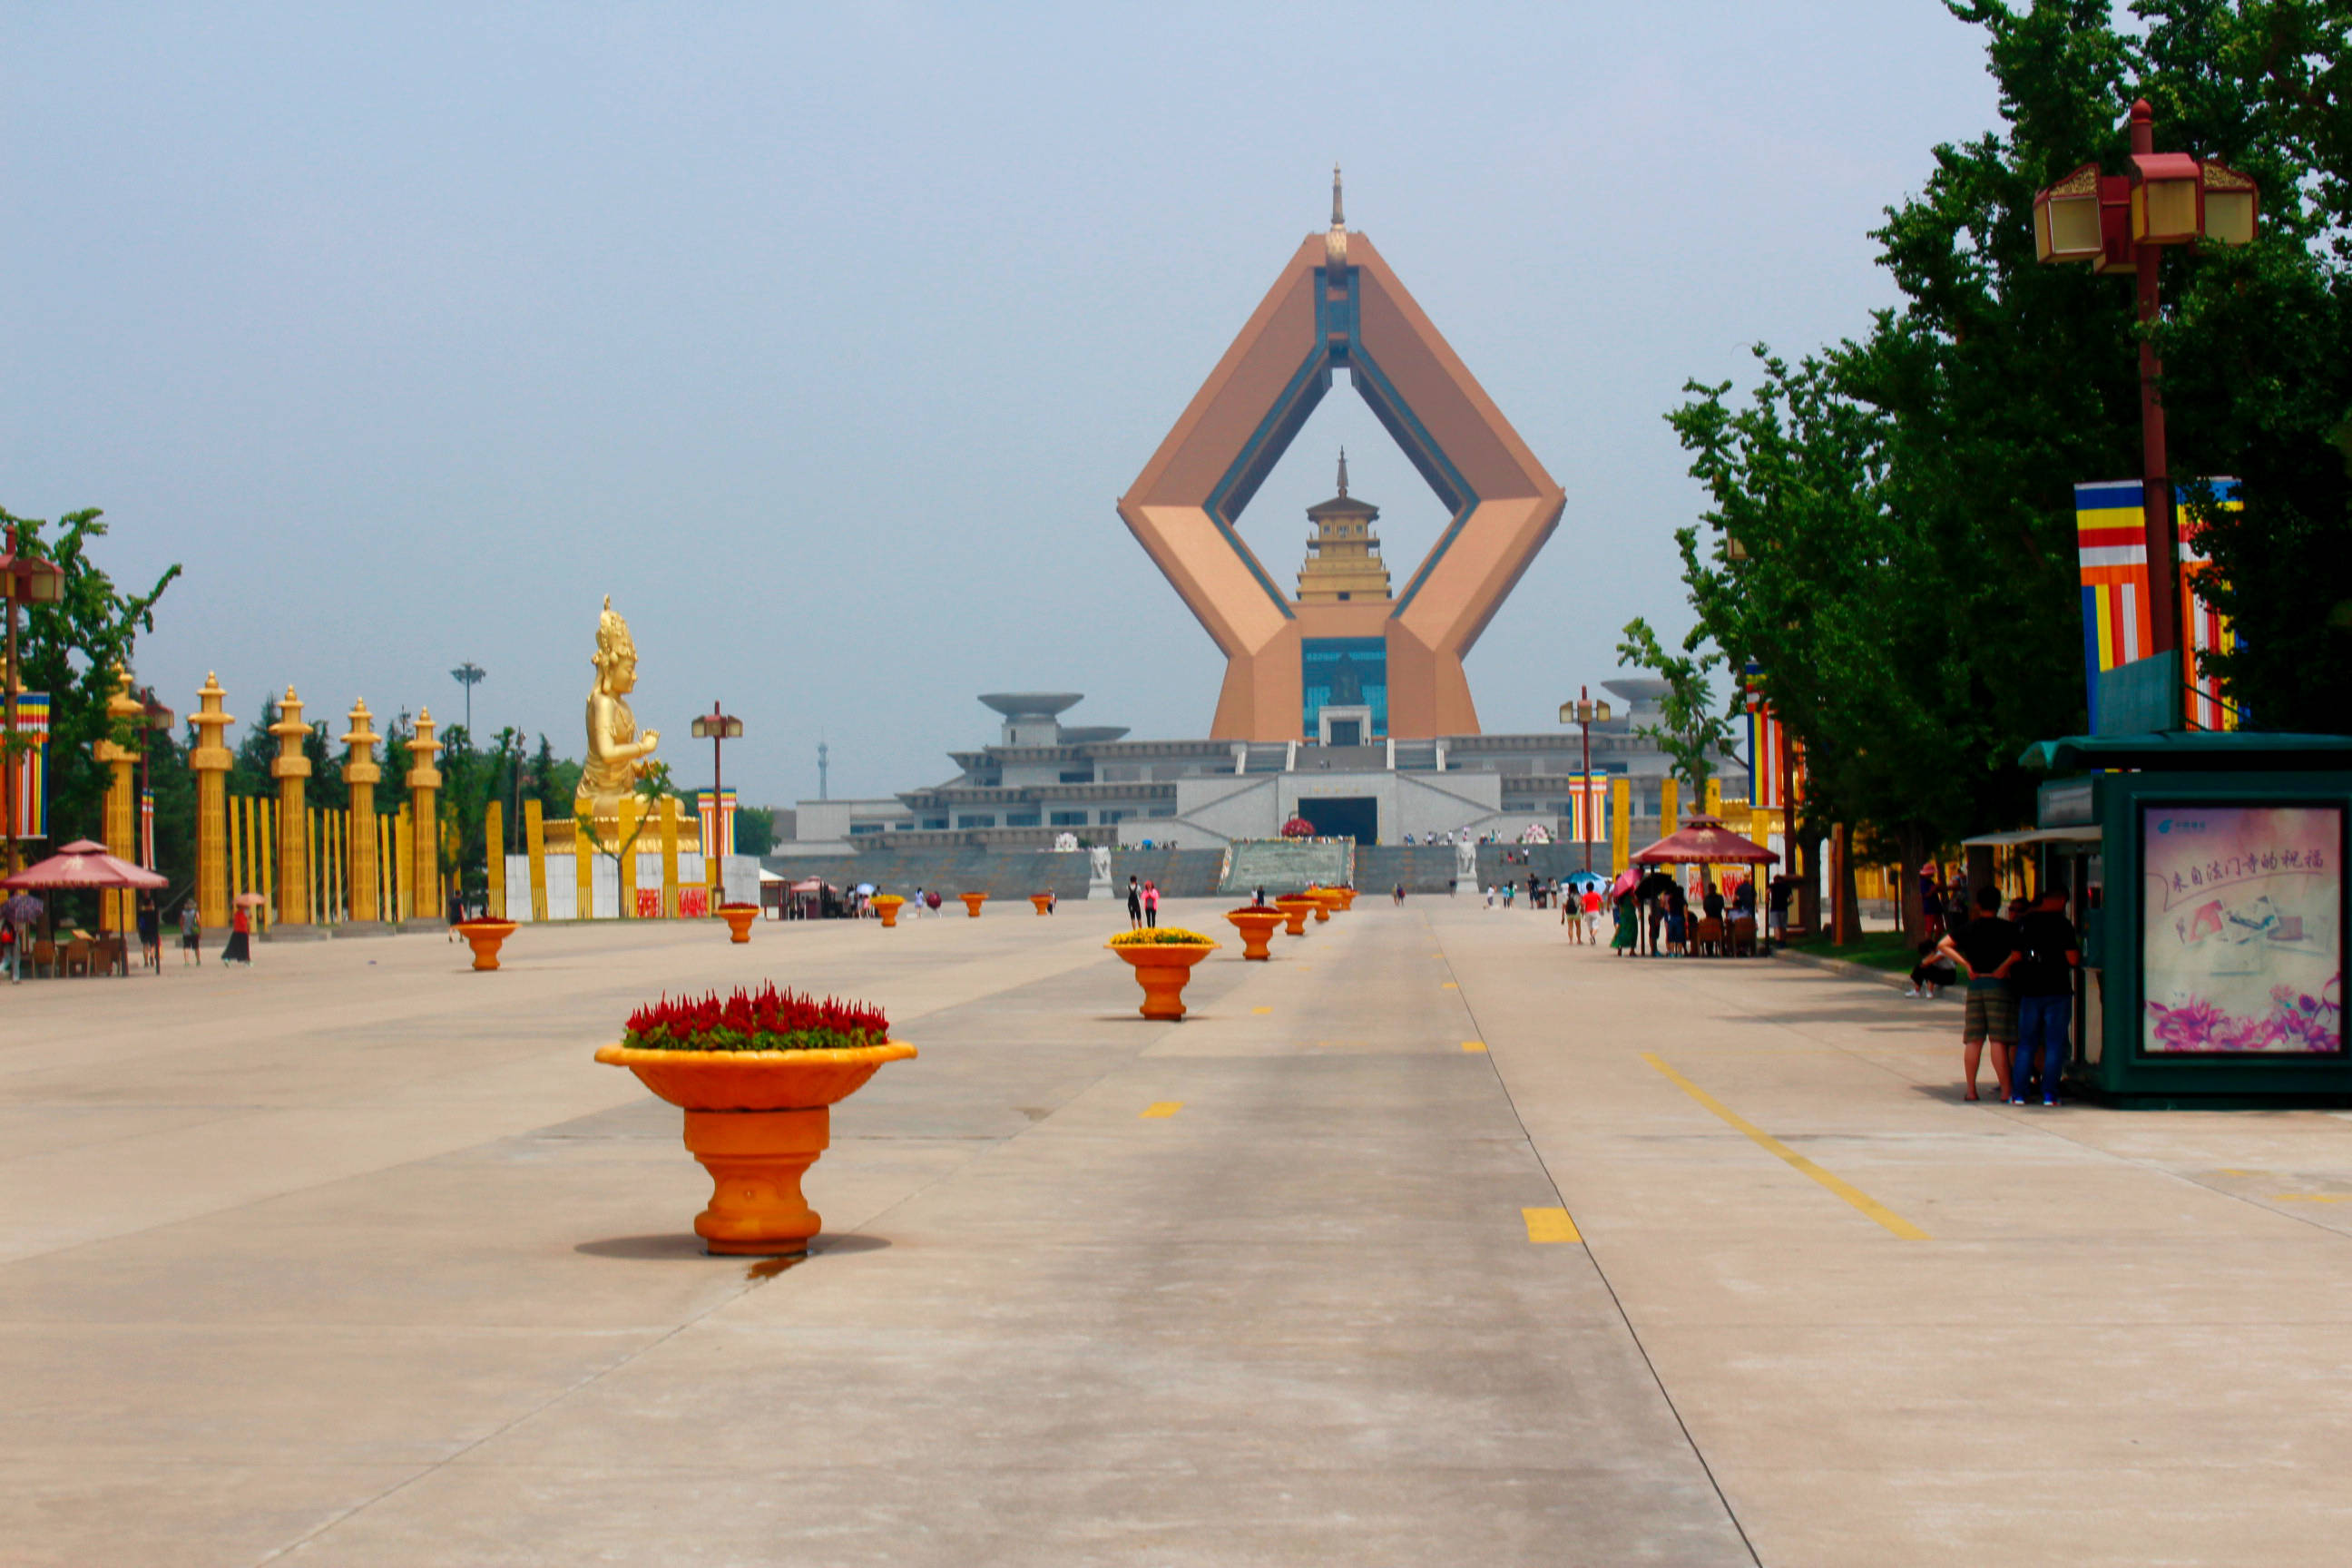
x: 756, y: 1160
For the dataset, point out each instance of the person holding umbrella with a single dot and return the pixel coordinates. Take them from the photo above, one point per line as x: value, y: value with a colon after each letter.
x: 240, y: 932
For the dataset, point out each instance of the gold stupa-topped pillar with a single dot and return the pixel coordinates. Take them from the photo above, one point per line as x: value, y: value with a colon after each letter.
x: 291, y: 769
x: 360, y: 776
x: 117, y: 911
x: 210, y: 762
x: 423, y: 901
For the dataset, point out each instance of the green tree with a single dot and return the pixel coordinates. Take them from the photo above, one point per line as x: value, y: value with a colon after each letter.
x: 1690, y: 732
x: 70, y: 650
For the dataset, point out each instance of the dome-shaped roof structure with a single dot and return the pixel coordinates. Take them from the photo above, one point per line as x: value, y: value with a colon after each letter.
x: 1032, y: 704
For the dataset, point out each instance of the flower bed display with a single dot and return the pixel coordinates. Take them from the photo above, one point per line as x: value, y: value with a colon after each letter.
x: 1294, y: 908
x: 485, y: 937
x: 1256, y: 923
x: 757, y: 1074
x: 1163, y: 958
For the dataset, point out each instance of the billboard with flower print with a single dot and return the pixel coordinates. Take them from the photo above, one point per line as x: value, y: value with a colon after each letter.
x: 2243, y: 940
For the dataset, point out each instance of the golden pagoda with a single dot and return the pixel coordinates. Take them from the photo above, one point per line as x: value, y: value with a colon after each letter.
x: 1343, y: 556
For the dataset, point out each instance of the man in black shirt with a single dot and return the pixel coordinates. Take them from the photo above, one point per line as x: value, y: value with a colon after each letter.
x: 2044, y: 977
x: 1988, y: 946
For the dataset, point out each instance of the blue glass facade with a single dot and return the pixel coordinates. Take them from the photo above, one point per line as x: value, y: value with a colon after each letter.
x: 1344, y: 672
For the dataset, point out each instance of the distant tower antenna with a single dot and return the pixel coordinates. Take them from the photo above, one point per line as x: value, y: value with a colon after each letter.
x: 1335, y: 244
x: 821, y: 754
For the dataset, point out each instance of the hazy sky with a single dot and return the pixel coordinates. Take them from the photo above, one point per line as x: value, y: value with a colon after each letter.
x: 825, y: 337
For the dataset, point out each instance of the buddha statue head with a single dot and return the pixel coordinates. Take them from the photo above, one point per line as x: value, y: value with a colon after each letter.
x: 616, y: 654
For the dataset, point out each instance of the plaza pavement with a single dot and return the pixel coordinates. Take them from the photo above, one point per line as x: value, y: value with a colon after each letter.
x: 1435, y: 1241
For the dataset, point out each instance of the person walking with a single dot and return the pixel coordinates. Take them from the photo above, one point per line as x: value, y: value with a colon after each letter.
x: 1987, y: 949
x: 1400, y: 894
x: 1574, y: 918
x: 1151, y: 904
x: 1776, y: 908
x: 151, y: 935
x: 2049, y: 952
x: 240, y: 939
x: 1134, y: 902
x: 1592, y: 914
x: 1629, y: 921
x: 192, y: 935
x: 11, y: 945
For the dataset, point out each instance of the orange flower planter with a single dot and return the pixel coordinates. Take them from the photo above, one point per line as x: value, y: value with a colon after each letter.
x: 1347, y: 897
x: 1161, y: 969
x: 887, y: 905
x: 1044, y: 902
x: 484, y: 937
x: 1324, y: 901
x: 757, y: 1120
x: 1294, y: 908
x: 1256, y: 926
x: 739, y: 919
x: 971, y: 902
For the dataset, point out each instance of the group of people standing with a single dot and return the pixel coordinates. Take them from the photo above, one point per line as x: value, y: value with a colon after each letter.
x: 1143, y: 902
x: 1653, y: 916
x: 2020, y: 996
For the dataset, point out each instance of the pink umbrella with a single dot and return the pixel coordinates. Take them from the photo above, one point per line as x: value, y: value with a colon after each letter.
x: 83, y: 864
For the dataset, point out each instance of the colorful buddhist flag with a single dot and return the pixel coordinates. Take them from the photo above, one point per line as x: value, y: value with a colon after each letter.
x: 2111, y: 549
x: 1772, y: 752
x: 718, y: 821
x: 29, y: 754
x: 1587, y: 808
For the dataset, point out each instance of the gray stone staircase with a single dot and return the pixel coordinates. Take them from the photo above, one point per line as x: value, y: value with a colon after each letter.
x: 1286, y: 866
x: 1003, y: 873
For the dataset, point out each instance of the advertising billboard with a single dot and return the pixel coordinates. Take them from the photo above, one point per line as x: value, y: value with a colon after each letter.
x: 2241, y: 940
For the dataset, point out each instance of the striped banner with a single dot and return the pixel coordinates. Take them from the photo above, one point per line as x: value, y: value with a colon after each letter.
x: 1769, y: 747
x: 31, y: 759
x: 2111, y: 549
x: 718, y: 821
x: 1587, y: 808
x: 147, y: 829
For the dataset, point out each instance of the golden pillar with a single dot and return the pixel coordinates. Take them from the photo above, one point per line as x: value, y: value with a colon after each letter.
x: 669, y: 856
x: 1621, y: 824
x: 583, y: 868
x: 116, y: 910
x: 534, y: 844
x: 291, y: 769
x: 1714, y: 798
x: 632, y: 813
x: 210, y: 760
x: 494, y: 850
x: 1670, y: 805
x: 423, y: 781
x: 360, y: 776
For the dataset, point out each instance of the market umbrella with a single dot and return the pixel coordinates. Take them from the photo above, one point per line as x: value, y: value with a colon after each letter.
x: 1705, y: 841
x: 83, y: 864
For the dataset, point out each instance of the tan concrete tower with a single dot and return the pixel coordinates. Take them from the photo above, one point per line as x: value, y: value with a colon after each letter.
x: 360, y: 776
x: 1343, y: 554
x: 210, y: 762
x: 291, y: 769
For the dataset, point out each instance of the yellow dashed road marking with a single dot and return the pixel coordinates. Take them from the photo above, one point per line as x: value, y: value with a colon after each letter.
x: 2311, y: 1197
x: 1549, y: 1225
x: 1260, y: 1009
x: 1773, y: 1146
x: 1165, y: 1108
x: 1449, y: 985
x: 1473, y: 1045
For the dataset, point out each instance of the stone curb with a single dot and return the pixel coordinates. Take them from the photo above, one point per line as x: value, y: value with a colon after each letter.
x: 1852, y: 971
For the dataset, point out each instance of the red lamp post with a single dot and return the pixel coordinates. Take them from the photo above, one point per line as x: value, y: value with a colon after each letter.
x: 2120, y: 222
x: 1586, y: 713
x: 26, y: 579
x: 715, y: 727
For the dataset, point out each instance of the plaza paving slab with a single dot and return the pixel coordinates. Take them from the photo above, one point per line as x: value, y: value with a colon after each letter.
x: 1446, y: 1242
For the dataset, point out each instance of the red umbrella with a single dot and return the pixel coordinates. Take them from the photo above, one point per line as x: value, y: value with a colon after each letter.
x: 1705, y: 841
x: 83, y: 864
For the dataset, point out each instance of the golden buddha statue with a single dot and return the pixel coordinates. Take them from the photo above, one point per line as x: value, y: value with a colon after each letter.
x: 616, y: 755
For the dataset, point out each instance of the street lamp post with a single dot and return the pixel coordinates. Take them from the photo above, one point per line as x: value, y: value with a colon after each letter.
x: 1585, y: 713
x: 2120, y: 224
x: 715, y: 727
x: 153, y: 716
x: 469, y: 675
x: 30, y: 580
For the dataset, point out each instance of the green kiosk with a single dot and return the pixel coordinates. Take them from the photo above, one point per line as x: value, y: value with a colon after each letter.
x: 2206, y: 872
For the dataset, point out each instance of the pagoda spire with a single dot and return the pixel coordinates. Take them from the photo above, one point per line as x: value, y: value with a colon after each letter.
x: 1343, y: 470
x: 1339, y: 217
x: 1335, y: 243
